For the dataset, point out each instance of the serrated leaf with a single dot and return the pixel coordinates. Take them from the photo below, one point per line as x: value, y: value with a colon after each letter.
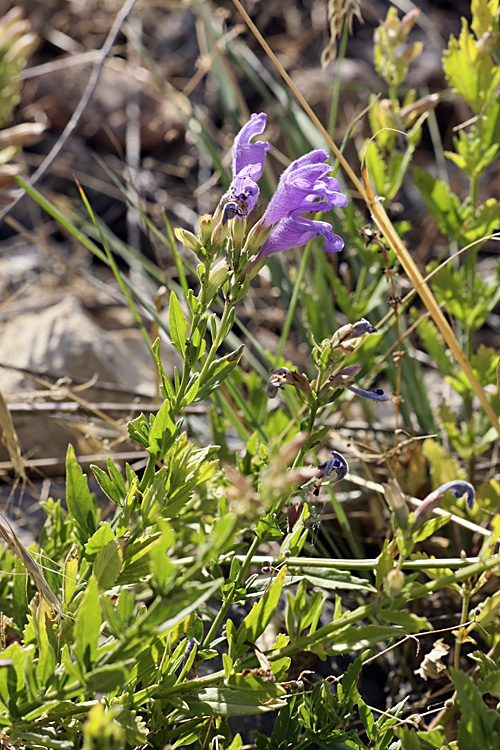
x: 475, y: 718
x: 81, y: 505
x: 484, y: 16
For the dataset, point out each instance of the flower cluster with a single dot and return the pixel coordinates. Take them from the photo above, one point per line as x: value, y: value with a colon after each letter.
x: 303, y: 189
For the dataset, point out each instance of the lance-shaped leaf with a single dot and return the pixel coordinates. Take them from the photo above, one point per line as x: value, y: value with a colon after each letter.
x: 218, y: 372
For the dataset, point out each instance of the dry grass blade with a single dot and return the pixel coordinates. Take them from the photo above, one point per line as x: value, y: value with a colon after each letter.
x: 10, y: 439
x: 8, y: 535
x: 385, y: 225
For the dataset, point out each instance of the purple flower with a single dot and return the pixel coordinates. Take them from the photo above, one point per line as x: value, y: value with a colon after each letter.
x: 376, y: 395
x: 304, y: 188
x: 363, y: 326
x: 336, y: 463
x: 458, y: 487
x: 248, y: 165
x: 295, y: 230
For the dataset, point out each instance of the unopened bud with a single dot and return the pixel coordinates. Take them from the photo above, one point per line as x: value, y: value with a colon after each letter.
x: 206, y: 228
x: 395, y: 580
x: 219, y: 235
x: 189, y: 240
x: 396, y: 501
x: 238, y: 232
x: 218, y: 275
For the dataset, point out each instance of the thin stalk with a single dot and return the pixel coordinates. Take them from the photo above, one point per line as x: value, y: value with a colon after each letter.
x: 343, y: 564
x: 464, y: 616
x: 337, y: 83
x: 228, y: 306
x: 247, y: 561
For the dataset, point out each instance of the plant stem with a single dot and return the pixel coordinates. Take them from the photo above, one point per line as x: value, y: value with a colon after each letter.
x: 466, y: 595
x: 247, y: 561
x: 221, y: 332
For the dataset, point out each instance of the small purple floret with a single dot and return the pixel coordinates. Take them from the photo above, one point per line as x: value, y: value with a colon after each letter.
x: 363, y: 326
x: 457, y: 487
x: 376, y: 395
x: 336, y: 463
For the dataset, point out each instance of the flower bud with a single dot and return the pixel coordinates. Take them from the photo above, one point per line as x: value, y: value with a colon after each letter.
x: 218, y: 275
x: 189, y: 240
x: 219, y: 235
x: 206, y: 228
x: 396, y: 501
x: 394, y: 582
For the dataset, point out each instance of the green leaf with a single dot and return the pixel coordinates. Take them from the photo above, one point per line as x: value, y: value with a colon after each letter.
x: 109, y: 677
x: 138, y: 430
x: 429, y: 528
x: 113, y: 485
x: 107, y: 565
x: 12, y: 677
x: 81, y: 505
x: 385, y: 563
x: 331, y: 580
x: 106, y: 485
x: 491, y: 684
x: 177, y: 324
x: 410, y: 622
x: 218, y: 372
x: 88, y: 623
x: 70, y: 575
x: 409, y: 739
x: 163, y: 432
x: 166, y: 387
x: 443, y: 204
x: 261, y: 613
x: 477, y: 722
x: 362, y: 637
x: 484, y: 16
x: 102, y: 536
x: 223, y: 701
x: 469, y: 68
x: 161, y: 568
